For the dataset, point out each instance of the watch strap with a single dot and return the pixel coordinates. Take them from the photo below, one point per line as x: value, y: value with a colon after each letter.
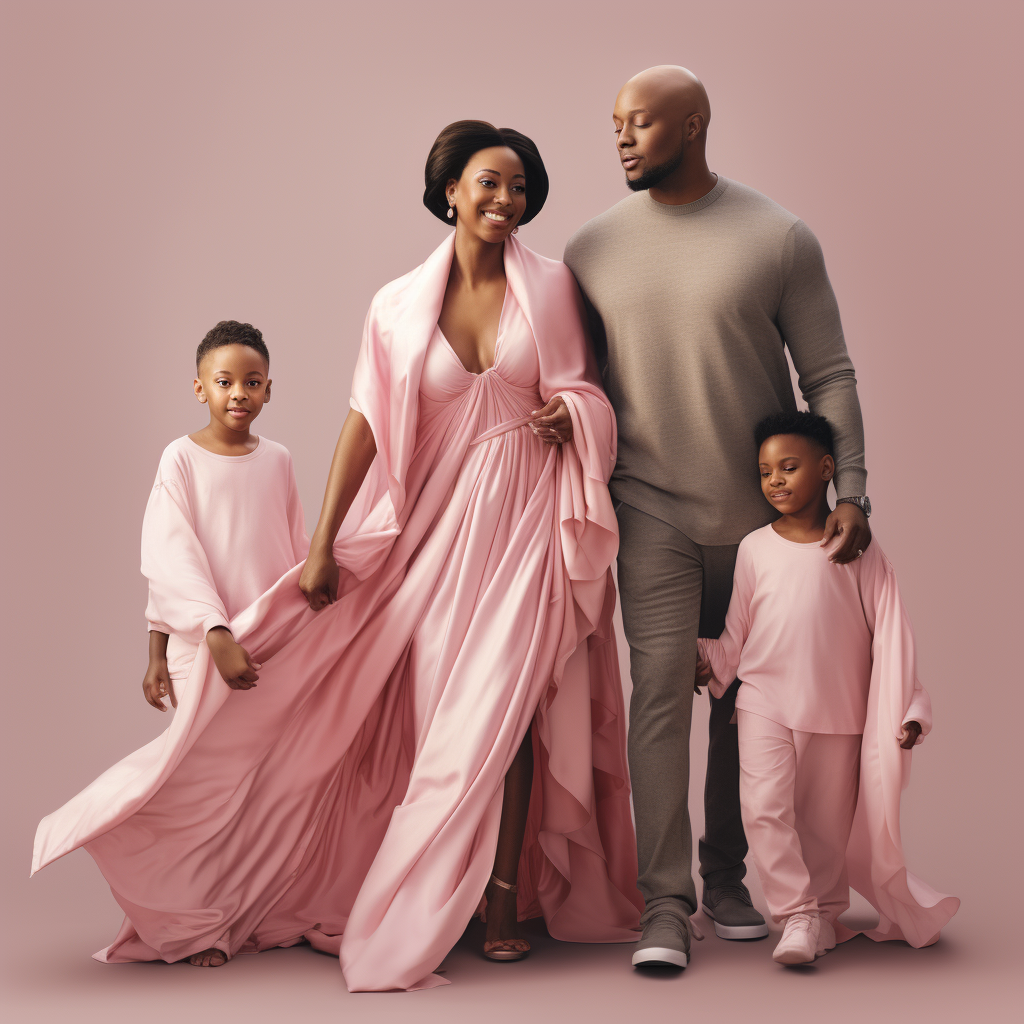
x: 863, y: 502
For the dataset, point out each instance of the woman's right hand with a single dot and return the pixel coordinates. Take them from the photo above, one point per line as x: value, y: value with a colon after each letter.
x: 320, y: 578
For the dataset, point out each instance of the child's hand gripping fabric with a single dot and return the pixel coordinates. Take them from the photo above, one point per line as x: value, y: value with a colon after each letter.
x: 909, y: 734
x: 157, y: 682
x: 232, y: 660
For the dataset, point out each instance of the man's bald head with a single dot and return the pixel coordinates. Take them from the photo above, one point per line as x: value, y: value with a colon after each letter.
x: 669, y: 90
x: 661, y: 118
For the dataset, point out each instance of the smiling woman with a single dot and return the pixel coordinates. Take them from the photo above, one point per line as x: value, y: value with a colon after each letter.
x: 486, y: 181
x: 458, y: 143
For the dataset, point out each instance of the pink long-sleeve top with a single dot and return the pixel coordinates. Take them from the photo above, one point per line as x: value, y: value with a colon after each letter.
x: 800, y: 633
x: 219, y: 531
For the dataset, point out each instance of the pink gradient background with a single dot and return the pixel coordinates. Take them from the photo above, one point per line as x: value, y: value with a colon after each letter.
x: 171, y: 164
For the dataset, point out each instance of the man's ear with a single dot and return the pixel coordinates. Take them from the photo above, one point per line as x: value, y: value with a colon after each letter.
x: 197, y: 387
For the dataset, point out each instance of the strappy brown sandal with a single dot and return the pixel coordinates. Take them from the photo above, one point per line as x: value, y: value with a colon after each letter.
x: 497, y: 949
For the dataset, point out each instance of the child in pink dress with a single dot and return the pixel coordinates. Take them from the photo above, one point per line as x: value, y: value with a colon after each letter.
x: 223, y: 524
x: 828, y: 710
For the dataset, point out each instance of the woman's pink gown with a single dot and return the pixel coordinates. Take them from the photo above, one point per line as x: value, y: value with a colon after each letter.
x: 353, y: 798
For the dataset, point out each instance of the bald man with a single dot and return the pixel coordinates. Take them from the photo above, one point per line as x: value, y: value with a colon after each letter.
x: 695, y: 287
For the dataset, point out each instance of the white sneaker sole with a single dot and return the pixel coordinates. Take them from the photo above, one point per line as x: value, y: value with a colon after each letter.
x: 660, y: 956
x: 794, y: 957
x: 737, y: 931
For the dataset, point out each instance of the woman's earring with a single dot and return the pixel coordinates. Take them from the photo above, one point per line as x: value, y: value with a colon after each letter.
x: 515, y: 230
x: 451, y: 211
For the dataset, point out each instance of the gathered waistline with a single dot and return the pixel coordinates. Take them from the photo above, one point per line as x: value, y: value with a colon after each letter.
x: 501, y: 428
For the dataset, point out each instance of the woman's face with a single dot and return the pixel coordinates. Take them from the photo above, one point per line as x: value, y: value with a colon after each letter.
x: 490, y: 196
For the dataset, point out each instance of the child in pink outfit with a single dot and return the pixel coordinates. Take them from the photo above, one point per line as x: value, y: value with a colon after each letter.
x: 828, y: 710
x: 223, y: 524
x: 224, y: 521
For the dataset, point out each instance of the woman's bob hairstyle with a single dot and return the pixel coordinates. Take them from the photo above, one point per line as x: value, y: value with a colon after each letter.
x: 458, y: 142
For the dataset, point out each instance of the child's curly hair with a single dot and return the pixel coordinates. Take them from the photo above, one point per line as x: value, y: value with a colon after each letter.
x: 231, y: 332
x: 805, y: 424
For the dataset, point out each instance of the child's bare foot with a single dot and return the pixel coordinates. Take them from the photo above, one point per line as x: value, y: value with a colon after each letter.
x: 503, y: 941
x: 211, y: 957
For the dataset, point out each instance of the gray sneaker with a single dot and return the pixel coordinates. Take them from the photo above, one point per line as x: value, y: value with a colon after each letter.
x: 730, y: 907
x: 666, y: 936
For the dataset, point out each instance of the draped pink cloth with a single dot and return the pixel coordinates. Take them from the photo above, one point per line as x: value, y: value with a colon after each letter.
x: 353, y: 797
x: 798, y: 622
x: 908, y: 907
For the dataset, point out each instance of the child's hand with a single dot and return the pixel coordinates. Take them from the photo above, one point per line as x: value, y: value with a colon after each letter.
x: 232, y: 660
x: 908, y: 737
x: 157, y: 684
x: 703, y: 674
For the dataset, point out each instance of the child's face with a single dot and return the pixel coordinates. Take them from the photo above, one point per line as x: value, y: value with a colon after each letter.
x: 794, y: 472
x: 233, y: 380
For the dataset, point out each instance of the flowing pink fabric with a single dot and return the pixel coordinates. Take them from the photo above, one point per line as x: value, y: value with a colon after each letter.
x: 792, y: 615
x: 353, y: 797
x: 908, y: 908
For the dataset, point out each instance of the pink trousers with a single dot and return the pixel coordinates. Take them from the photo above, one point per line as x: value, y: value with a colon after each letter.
x: 798, y: 792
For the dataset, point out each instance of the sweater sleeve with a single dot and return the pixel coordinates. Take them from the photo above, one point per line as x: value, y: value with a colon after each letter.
x: 724, y: 653
x: 808, y: 319
x: 183, y: 598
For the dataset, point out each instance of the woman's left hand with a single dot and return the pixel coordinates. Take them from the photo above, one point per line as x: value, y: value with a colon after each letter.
x: 553, y: 424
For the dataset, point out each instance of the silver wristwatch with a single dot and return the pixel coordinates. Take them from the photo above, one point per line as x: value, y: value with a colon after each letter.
x: 863, y: 503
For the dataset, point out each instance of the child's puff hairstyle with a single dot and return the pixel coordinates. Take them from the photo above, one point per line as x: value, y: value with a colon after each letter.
x: 452, y: 150
x: 231, y: 332
x: 805, y: 424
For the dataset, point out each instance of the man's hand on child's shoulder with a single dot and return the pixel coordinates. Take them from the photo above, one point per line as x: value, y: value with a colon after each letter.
x: 157, y: 684
x: 237, y: 669
x: 909, y: 735
x: 850, y: 524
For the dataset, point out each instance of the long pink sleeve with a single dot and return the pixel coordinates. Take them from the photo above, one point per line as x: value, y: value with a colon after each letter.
x: 385, y: 390
x: 724, y: 653
x: 182, y: 596
x: 296, y: 518
x: 907, y: 906
x: 587, y: 524
x: 893, y: 648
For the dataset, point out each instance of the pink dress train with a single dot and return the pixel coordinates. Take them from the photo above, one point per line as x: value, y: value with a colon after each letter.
x: 353, y: 798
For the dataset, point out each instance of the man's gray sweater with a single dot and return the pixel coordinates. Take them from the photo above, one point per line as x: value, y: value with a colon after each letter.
x: 691, y: 309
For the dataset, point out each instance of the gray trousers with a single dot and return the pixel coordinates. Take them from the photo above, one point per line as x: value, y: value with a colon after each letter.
x: 673, y: 590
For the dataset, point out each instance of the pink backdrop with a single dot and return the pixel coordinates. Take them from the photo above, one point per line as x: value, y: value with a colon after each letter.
x: 172, y: 164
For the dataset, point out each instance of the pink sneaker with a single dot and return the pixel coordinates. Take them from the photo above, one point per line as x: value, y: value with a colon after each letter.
x: 826, y: 937
x: 799, y: 942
